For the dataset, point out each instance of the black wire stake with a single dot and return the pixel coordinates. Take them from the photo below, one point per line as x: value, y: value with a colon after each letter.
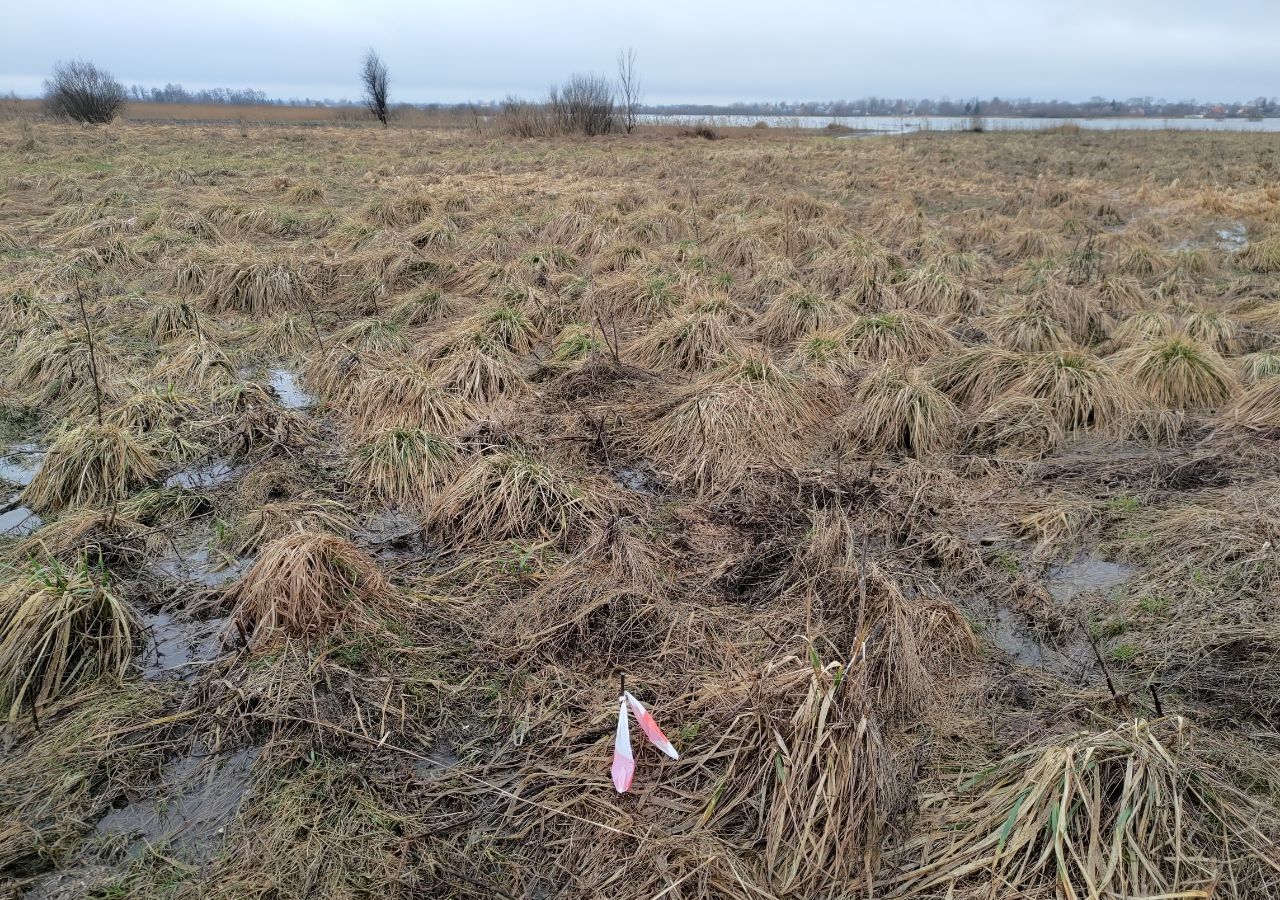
x: 622, y: 684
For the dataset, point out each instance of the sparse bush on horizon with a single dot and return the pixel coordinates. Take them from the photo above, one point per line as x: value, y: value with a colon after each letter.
x: 525, y: 118
x: 704, y: 131
x: 584, y: 105
x: 81, y: 91
x: 630, y: 93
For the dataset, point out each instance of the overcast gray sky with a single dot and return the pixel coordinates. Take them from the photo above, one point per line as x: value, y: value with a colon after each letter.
x: 689, y: 50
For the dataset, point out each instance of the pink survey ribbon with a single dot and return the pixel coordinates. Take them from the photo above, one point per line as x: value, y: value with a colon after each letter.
x: 624, y: 761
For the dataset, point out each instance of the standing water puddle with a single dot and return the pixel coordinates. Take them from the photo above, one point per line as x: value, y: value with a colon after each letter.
x: 195, y: 800
x: 285, y: 384
x: 1233, y: 239
x: 636, y: 480
x: 19, y: 522
x: 1015, y: 636
x: 1070, y: 657
x: 1083, y: 575
x: 198, y: 567
x: 19, y: 463
x: 177, y: 648
x: 206, y: 476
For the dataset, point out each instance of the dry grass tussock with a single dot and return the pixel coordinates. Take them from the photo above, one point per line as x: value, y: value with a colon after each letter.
x: 1259, y: 406
x: 895, y: 411
x: 1179, y: 373
x: 1016, y: 426
x: 711, y: 433
x: 408, y: 396
x: 810, y: 761
x: 481, y: 373
x: 272, y: 520
x: 404, y: 467
x: 107, y: 539
x: 1080, y: 390
x: 245, y: 281
x: 1132, y: 810
x: 91, y: 465
x: 694, y: 342
x: 1255, y: 367
x: 508, y: 493
x: 901, y: 336
x: 61, y: 624
x: 310, y: 584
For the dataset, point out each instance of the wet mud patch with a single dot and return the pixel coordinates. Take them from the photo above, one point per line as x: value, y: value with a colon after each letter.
x: 181, y: 817
x: 179, y: 647
x: 188, y: 809
x: 85, y: 880
x: 1232, y: 238
x: 434, y: 763
x: 392, y: 536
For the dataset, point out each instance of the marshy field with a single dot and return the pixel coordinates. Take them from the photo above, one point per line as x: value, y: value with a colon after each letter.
x: 925, y: 488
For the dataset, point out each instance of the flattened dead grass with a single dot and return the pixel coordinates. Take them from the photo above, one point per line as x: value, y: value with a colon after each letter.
x: 1134, y: 810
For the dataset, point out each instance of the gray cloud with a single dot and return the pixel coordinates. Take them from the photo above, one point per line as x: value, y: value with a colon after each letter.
x: 713, y: 50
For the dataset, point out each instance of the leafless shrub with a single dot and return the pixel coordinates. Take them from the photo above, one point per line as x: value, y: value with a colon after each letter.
x: 706, y: 132
x: 81, y: 91
x: 582, y: 105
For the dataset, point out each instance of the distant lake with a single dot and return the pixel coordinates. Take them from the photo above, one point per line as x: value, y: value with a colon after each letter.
x: 899, y: 124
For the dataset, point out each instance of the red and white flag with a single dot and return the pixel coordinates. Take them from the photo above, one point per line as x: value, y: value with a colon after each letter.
x: 624, y: 764
x: 650, y: 728
x: 624, y: 761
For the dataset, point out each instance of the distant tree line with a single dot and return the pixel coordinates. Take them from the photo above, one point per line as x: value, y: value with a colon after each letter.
x: 176, y: 93
x: 1094, y: 107
x: 594, y: 104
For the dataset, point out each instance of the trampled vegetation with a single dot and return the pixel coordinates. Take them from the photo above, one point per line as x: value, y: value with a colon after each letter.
x: 924, y: 488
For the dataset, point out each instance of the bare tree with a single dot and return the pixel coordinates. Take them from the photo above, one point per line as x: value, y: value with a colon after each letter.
x: 80, y: 90
x: 374, y: 76
x: 629, y: 93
